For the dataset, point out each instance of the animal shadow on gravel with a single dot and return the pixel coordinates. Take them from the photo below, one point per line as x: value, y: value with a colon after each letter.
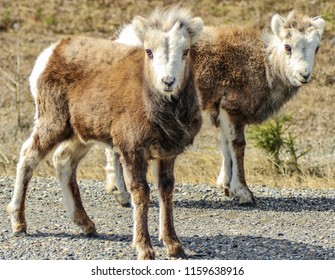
x: 283, y: 204
x: 100, y: 236
x: 254, y: 248
x: 223, y: 247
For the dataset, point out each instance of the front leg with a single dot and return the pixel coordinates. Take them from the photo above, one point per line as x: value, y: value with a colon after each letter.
x: 134, y: 170
x: 234, y: 166
x: 165, y: 181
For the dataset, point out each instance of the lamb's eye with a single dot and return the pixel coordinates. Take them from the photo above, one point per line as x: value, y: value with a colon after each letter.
x: 317, y: 49
x: 149, y: 53
x: 185, y: 53
x: 288, y: 49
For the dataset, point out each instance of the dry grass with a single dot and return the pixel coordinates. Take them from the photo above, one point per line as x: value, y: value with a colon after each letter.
x: 43, y: 22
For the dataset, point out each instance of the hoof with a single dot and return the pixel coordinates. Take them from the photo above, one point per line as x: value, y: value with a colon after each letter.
x: 126, y: 205
x: 122, y: 198
x: 20, y: 233
x: 92, y: 234
x: 18, y: 221
x: 179, y: 254
x: 87, y: 227
x: 225, y: 188
x: 148, y: 254
x: 248, y: 202
x: 226, y: 192
x: 19, y: 229
x: 174, y: 249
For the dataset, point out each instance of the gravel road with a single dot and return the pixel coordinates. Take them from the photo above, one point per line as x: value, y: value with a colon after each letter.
x: 287, y: 224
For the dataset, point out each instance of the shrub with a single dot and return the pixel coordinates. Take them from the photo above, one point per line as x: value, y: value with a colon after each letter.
x: 279, y: 144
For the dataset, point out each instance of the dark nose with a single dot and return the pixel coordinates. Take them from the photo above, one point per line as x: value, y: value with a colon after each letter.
x: 306, y: 76
x: 168, y: 81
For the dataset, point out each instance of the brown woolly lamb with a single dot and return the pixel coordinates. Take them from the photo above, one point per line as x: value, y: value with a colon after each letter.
x: 243, y: 78
x: 140, y: 102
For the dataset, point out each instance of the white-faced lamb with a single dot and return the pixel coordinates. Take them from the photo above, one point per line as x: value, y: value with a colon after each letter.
x: 140, y: 101
x: 243, y: 77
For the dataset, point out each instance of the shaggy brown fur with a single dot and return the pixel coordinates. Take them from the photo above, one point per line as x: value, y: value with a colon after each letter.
x: 99, y: 90
x: 231, y: 70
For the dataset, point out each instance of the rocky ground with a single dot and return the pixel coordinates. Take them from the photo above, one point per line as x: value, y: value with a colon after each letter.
x: 286, y: 224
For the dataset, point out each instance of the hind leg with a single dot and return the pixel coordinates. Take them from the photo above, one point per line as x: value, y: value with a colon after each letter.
x: 66, y: 159
x: 36, y: 147
x: 114, y: 178
x: 235, y: 144
x: 226, y: 166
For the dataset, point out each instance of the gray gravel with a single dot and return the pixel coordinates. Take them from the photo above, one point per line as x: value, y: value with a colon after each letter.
x: 287, y: 224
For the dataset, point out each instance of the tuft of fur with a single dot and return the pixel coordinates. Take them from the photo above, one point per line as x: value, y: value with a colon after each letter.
x: 173, y: 15
x: 298, y: 21
x: 129, y: 35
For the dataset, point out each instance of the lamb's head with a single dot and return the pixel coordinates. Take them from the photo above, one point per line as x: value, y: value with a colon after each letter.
x: 297, y: 40
x: 166, y: 37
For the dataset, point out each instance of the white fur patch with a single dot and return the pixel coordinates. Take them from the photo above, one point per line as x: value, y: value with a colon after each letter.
x: 168, y: 63
x: 39, y: 67
x: 114, y: 177
x: 167, y: 48
x: 295, y: 48
x: 21, y: 172
x: 134, y: 244
x: 66, y: 158
x: 161, y: 219
x: 225, y: 172
x: 155, y: 169
x: 127, y: 179
x: 128, y: 37
x: 62, y: 163
x: 229, y: 168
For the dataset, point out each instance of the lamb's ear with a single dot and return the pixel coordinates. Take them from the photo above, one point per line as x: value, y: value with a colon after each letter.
x: 277, y: 24
x: 319, y: 24
x: 195, y: 29
x: 140, y: 26
x: 290, y: 15
x: 128, y: 36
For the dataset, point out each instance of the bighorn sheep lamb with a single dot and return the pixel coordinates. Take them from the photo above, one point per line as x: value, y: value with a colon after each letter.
x: 243, y: 78
x: 142, y: 102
